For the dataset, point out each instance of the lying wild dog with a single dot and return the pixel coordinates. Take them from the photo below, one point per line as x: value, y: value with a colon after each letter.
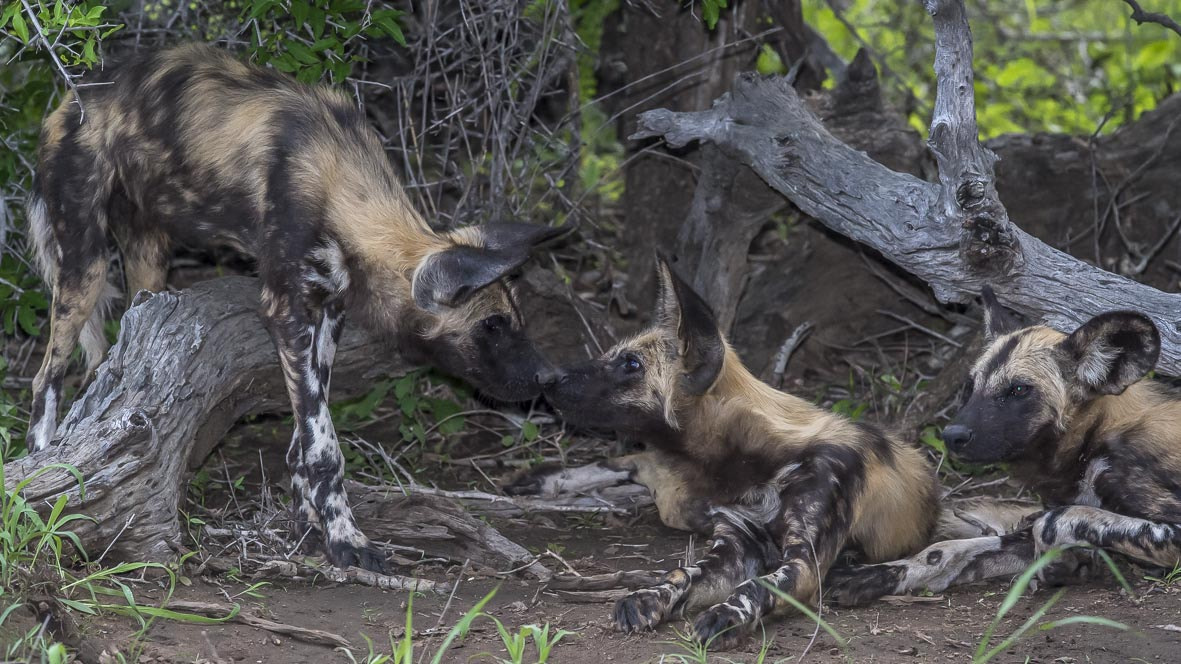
x: 189, y: 147
x: 782, y: 486
x: 1076, y: 420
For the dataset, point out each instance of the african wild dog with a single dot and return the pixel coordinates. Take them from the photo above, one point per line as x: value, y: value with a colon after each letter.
x: 190, y: 147
x: 1075, y: 419
x: 782, y: 486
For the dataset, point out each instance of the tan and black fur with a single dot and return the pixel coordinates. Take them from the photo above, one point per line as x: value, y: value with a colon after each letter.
x: 780, y: 485
x: 189, y: 147
x: 1076, y: 420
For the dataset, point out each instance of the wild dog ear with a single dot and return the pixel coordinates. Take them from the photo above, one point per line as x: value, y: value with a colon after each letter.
x: 1112, y: 350
x: 702, y: 349
x: 516, y: 236
x: 997, y: 319
x: 448, y: 278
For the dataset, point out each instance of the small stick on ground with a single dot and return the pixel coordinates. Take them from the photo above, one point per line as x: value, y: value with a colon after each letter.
x: 215, y: 610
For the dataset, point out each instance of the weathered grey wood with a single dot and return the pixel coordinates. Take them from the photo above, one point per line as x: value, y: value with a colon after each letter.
x: 186, y: 367
x: 763, y: 123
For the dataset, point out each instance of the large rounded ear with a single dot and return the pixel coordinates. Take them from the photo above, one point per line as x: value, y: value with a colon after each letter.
x: 448, y: 278
x: 516, y: 236
x: 701, y: 346
x: 1113, y: 350
x: 998, y: 320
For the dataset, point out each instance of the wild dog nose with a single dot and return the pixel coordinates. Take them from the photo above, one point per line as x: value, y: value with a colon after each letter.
x: 549, y: 376
x: 956, y: 435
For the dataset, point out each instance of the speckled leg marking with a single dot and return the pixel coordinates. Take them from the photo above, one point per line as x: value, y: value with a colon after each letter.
x: 1144, y: 541
x: 936, y: 568
x: 306, y: 351
x: 737, y: 553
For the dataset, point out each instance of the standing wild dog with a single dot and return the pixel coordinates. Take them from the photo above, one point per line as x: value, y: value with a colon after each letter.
x: 189, y: 147
x: 781, y: 485
x: 1074, y: 418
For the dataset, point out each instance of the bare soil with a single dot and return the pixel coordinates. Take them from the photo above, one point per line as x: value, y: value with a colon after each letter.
x: 922, y: 629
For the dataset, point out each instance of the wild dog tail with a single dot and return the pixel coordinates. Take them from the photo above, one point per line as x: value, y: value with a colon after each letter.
x: 47, y: 253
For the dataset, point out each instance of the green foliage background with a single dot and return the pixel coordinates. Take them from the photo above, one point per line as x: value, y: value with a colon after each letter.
x: 1058, y: 67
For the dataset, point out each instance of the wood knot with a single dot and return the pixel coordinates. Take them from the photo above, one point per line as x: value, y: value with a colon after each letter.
x: 970, y: 194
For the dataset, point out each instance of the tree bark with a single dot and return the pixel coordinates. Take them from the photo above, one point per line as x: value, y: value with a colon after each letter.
x: 955, y: 235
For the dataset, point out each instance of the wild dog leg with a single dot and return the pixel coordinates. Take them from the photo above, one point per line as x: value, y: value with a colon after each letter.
x: 936, y: 568
x: 306, y: 339
x: 739, y: 551
x: 76, y: 293
x: 816, y: 527
x: 1142, y: 540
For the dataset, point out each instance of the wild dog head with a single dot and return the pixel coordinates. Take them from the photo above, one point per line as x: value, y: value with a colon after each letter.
x: 464, y: 319
x: 1030, y: 381
x: 638, y: 387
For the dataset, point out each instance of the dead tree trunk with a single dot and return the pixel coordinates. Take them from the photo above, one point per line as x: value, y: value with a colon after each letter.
x: 954, y: 235
x: 187, y: 366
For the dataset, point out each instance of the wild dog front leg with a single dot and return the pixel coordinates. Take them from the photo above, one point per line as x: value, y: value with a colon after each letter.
x: 936, y: 568
x: 1145, y: 541
x: 306, y: 341
x: 814, y: 518
x: 737, y: 553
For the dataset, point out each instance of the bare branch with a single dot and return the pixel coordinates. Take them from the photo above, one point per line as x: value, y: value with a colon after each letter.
x: 1141, y: 17
x: 53, y: 56
x: 764, y: 124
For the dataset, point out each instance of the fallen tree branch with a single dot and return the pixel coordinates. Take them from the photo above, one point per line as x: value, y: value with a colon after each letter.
x: 610, y: 581
x: 289, y: 569
x: 953, y: 235
x: 214, y: 610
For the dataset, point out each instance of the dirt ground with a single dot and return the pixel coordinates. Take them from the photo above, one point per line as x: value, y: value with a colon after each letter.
x: 944, y: 628
x: 926, y: 629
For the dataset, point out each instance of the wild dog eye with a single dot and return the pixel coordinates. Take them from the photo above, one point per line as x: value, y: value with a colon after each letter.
x: 632, y: 363
x: 496, y: 323
x: 1019, y: 390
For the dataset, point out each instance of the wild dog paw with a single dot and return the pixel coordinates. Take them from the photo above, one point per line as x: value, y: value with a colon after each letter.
x: 640, y: 610
x: 854, y: 585
x: 1072, y: 567
x: 721, y: 626
x: 344, y: 554
x: 534, y: 481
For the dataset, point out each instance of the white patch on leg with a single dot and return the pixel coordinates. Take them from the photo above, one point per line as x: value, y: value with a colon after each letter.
x: 42, y: 431
x: 325, y: 445
x: 342, y: 528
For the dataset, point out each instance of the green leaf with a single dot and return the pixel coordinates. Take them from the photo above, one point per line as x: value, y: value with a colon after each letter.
x: 529, y: 431
x: 27, y: 317
x: 1155, y: 55
x: 20, y: 28
x: 300, y: 11
x: 711, y: 10
x: 769, y: 62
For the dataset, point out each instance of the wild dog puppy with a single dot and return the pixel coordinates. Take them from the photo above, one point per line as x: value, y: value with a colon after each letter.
x: 781, y: 485
x: 1075, y: 419
x: 191, y: 147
